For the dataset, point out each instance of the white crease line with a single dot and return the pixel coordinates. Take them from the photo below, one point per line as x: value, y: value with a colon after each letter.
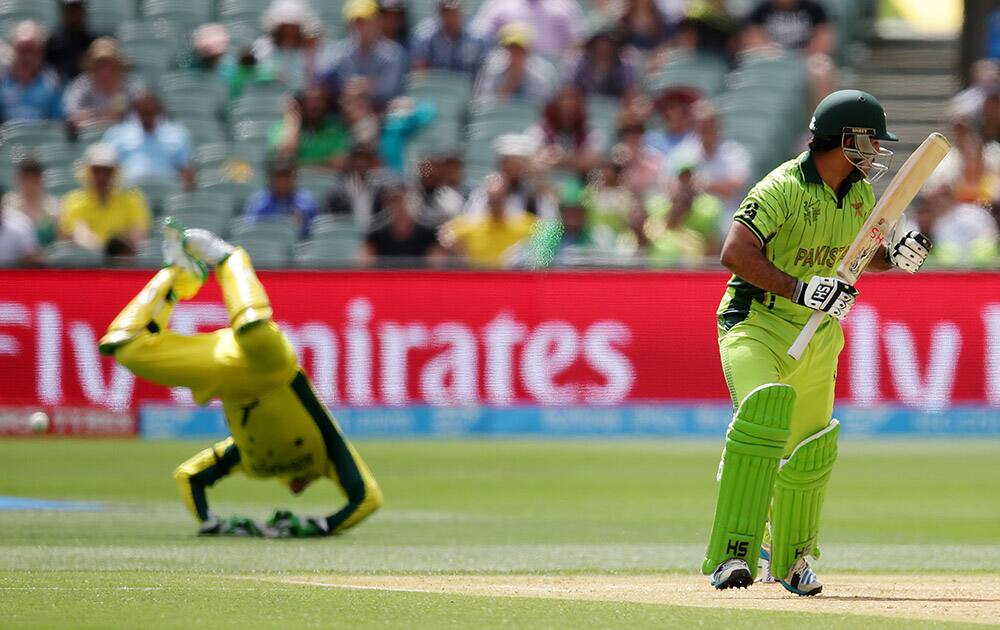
x: 350, y: 587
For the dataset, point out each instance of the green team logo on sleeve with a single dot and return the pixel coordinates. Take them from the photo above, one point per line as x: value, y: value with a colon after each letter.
x: 804, y: 228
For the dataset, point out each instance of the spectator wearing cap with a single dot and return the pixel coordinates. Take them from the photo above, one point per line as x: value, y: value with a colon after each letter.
x: 29, y: 198
x: 309, y: 133
x: 486, y: 240
x: 103, y: 93
x: 445, y: 43
x: 708, y: 28
x: 282, y: 198
x: 394, y: 19
x: 152, y: 148
x: 512, y: 70
x: 283, y: 53
x: 675, y: 109
x: 721, y: 167
x: 565, y: 133
x: 558, y: 24
x: 399, y: 239
x: 801, y: 26
x: 604, y: 66
x: 30, y: 91
x: 525, y: 173
x: 365, y: 57
x: 69, y: 43
x: 101, y: 215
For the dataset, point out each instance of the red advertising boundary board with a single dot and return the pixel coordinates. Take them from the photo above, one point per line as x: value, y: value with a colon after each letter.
x: 503, y: 338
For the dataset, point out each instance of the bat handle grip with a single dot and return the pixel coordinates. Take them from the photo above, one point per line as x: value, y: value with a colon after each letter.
x: 806, y: 335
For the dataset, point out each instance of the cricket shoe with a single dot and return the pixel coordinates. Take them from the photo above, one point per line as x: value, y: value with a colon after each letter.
x: 733, y: 573
x: 801, y: 580
x: 193, y: 272
x: 207, y: 247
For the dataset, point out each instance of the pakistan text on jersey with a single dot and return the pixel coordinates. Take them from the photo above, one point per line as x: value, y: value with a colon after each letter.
x: 822, y: 255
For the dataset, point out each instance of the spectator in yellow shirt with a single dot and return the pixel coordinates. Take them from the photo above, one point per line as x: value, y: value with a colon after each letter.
x: 487, y: 240
x: 100, y: 216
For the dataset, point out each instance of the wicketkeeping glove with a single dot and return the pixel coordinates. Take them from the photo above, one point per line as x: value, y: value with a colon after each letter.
x: 910, y: 252
x: 231, y: 526
x: 830, y: 295
x: 285, y: 524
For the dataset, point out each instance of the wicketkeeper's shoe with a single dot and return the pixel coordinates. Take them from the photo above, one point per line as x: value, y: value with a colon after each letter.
x: 802, y: 580
x: 193, y: 271
x: 207, y: 247
x: 733, y: 573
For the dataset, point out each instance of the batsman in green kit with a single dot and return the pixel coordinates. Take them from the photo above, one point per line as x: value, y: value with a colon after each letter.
x: 783, y: 249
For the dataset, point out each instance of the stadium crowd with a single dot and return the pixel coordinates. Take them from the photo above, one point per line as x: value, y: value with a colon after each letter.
x: 489, y: 133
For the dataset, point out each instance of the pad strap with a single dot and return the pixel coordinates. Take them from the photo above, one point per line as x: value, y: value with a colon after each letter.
x: 754, y: 445
x: 798, y: 499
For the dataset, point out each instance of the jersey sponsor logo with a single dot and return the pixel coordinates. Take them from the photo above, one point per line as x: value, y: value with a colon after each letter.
x: 265, y: 469
x: 824, y: 255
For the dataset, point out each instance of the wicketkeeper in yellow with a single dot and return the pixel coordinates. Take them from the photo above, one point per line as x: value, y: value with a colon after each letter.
x: 279, y: 427
x: 783, y: 249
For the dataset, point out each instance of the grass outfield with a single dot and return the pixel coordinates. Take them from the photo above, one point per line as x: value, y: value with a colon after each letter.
x: 492, y: 533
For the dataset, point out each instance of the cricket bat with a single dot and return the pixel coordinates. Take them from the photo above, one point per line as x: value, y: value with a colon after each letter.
x: 890, y: 207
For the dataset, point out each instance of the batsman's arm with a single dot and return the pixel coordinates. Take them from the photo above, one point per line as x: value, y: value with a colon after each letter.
x: 743, y: 254
x: 195, y: 475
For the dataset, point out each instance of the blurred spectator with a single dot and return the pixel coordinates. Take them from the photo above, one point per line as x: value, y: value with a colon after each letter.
x: 356, y: 195
x: 69, y: 43
x: 29, y: 90
x: 645, y: 26
x: 486, y: 240
x: 29, y: 199
x: 309, y: 133
x: 972, y: 167
x: 639, y: 163
x: 439, y: 186
x: 797, y: 25
x: 399, y: 235
x: 365, y: 57
x: 210, y: 48
x: 607, y: 199
x: 604, y: 66
x: 722, y: 167
x: 566, y: 135
x: 282, y: 198
x: 675, y: 108
x: 283, y: 53
x: 512, y: 70
x: 445, y: 43
x: 708, y: 28
x: 150, y: 147
x: 104, y: 91
x: 968, y: 103
x: 524, y: 171
x: 101, y: 215
x: 633, y: 242
x: 404, y: 117
x: 576, y: 234
x: 557, y: 24
x: 964, y: 234
x: 686, y: 221
x: 395, y: 22
x: 18, y: 243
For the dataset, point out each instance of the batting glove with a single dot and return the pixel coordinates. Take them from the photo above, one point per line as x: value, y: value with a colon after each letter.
x: 231, y: 526
x: 285, y: 524
x: 910, y: 252
x: 830, y: 295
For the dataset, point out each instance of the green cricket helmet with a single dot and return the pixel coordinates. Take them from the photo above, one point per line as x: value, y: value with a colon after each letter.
x: 858, y: 116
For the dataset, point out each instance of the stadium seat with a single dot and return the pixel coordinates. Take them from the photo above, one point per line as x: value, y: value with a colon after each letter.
x: 193, y: 83
x: 14, y: 11
x: 249, y: 10
x: 318, y: 182
x: 706, y: 73
x: 278, y: 229
x: 188, y: 13
x: 449, y: 91
x: 237, y: 191
x: 150, y: 58
x: 264, y: 252
x: 333, y: 224
x: 149, y: 255
x: 59, y: 181
x: 68, y: 254
x: 156, y: 191
x: 104, y: 16
x: 164, y: 31
x: 216, y: 203
x: 204, y: 131
x: 327, y: 252
x: 91, y: 132
x: 32, y: 133
x: 196, y: 219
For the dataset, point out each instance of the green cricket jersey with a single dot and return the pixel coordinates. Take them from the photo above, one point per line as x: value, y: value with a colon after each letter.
x: 805, y: 228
